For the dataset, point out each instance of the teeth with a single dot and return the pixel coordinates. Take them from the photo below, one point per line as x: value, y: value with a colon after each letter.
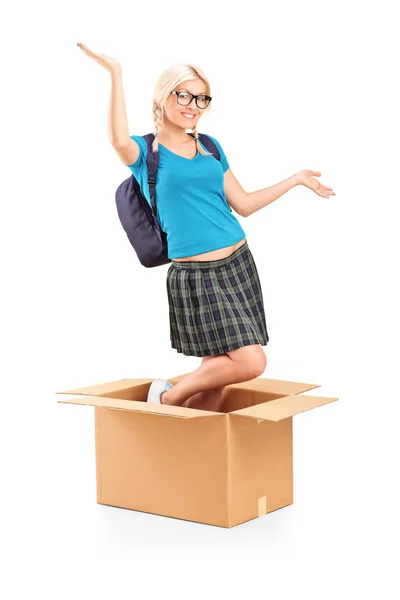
x: 189, y: 116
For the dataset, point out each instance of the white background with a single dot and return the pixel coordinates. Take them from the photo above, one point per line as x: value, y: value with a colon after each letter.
x: 310, y: 85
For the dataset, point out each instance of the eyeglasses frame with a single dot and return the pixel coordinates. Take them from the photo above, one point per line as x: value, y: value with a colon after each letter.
x: 191, y: 100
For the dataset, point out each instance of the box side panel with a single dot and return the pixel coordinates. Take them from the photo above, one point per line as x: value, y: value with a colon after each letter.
x: 163, y: 465
x: 261, y: 467
x: 237, y: 399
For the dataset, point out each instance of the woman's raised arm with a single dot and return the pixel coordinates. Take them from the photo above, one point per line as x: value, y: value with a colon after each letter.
x: 118, y: 131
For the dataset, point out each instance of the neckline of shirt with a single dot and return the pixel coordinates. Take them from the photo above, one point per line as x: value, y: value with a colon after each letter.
x: 179, y: 155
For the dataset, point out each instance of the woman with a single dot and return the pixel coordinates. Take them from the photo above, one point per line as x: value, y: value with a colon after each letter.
x: 214, y: 293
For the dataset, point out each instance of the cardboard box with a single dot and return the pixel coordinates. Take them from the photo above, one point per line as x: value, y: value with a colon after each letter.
x: 219, y: 468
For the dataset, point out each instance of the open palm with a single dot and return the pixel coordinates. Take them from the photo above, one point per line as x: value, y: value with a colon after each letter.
x: 308, y: 179
x: 105, y: 61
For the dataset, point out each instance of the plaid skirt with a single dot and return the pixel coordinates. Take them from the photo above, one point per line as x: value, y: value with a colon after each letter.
x: 216, y: 306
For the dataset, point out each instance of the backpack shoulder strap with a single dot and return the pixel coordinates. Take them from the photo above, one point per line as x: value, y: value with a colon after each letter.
x: 209, y: 144
x: 152, y: 167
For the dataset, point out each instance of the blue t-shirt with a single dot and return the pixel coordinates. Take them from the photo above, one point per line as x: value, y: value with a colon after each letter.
x: 191, y: 204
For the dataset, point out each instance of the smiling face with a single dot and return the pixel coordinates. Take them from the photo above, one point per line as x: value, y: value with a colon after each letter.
x: 185, y: 117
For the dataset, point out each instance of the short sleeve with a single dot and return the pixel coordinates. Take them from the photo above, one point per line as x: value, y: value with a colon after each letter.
x: 223, y: 159
x: 137, y: 166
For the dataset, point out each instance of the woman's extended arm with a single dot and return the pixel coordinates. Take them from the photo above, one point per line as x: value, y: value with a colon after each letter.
x: 247, y: 203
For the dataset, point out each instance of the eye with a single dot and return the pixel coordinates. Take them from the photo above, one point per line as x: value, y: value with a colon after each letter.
x: 183, y: 94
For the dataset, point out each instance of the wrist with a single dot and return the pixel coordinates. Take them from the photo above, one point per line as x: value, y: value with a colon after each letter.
x: 295, y: 179
x: 116, y: 71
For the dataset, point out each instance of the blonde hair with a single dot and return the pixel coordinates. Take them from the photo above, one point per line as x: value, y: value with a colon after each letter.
x: 167, y: 81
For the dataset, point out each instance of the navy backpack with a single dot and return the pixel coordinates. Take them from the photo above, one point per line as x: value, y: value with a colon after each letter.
x: 138, y: 218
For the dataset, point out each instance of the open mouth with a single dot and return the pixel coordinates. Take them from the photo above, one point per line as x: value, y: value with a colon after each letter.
x: 189, y: 116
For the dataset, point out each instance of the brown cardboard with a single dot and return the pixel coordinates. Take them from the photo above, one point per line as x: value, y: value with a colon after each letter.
x: 142, y: 407
x: 220, y: 468
x: 282, y: 408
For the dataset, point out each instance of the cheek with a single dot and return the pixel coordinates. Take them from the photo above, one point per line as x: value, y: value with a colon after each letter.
x: 172, y: 107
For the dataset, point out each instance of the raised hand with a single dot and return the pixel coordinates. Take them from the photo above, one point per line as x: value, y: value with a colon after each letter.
x: 111, y: 64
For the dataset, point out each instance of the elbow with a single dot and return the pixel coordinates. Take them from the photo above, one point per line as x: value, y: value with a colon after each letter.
x: 119, y: 142
x: 245, y: 210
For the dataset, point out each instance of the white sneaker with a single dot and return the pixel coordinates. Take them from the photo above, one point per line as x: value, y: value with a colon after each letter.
x: 157, y: 388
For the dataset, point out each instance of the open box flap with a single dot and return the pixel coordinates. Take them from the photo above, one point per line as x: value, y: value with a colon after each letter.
x: 263, y: 384
x: 109, y: 387
x: 143, y: 407
x: 272, y: 386
x: 282, y: 408
x: 275, y: 386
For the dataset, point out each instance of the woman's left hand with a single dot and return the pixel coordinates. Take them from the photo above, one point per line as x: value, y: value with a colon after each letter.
x: 307, y: 178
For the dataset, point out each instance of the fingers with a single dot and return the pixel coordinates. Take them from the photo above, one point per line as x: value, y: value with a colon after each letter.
x: 324, y: 190
x: 83, y: 47
x: 328, y: 190
x: 86, y: 50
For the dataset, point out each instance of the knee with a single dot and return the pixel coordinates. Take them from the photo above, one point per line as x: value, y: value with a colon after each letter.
x: 256, y: 366
x: 251, y: 361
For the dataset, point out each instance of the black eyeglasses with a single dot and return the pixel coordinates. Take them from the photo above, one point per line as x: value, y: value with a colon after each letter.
x: 185, y: 98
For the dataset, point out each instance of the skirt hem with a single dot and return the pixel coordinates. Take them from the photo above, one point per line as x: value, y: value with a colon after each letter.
x: 200, y: 354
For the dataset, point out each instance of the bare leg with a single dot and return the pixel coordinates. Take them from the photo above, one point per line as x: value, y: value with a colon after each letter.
x: 204, y: 395
x: 206, y: 400
x: 238, y: 365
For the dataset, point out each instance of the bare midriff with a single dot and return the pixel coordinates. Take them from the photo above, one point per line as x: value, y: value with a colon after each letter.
x: 214, y: 254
